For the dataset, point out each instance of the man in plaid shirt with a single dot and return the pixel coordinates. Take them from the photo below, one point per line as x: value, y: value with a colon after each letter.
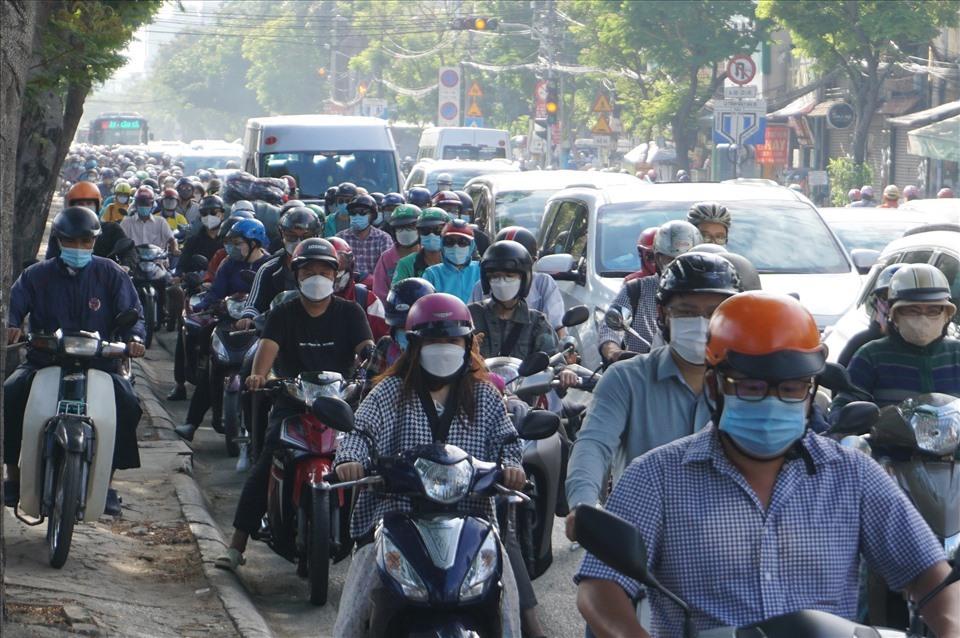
x: 756, y: 517
x: 367, y: 241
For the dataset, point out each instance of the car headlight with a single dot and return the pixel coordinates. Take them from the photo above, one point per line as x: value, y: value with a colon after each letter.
x: 81, y: 346
x: 950, y: 545
x: 218, y: 348
x: 235, y: 308
x: 391, y: 560
x: 483, y: 568
x: 937, y: 428
x: 444, y: 483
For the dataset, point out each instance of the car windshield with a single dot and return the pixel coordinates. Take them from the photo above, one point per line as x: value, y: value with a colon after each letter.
x: 776, y: 236
x: 474, y: 152
x: 459, y: 176
x: 521, y: 208
x: 873, y: 236
x: 316, y: 171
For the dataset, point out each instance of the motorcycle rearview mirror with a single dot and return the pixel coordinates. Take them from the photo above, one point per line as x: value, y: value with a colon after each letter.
x: 334, y: 413
x: 618, y: 317
x: 617, y: 543
x: 538, y: 424
x: 835, y: 377
x: 575, y: 316
x: 126, y: 319
x: 122, y: 246
x: 198, y: 263
x: 536, y: 362
x: 856, y: 417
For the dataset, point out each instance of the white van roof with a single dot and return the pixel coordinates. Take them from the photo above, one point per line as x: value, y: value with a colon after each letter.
x: 467, y: 129
x: 323, y: 133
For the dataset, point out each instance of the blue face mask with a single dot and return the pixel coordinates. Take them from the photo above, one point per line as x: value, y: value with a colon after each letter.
x: 457, y: 255
x: 234, y: 251
x: 431, y: 242
x: 340, y: 209
x: 359, y: 222
x: 76, y: 257
x: 400, y: 337
x: 763, y: 429
x: 144, y: 211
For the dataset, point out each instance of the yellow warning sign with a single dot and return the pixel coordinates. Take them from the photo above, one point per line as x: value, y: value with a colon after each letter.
x: 474, y: 110
x: 602, y: 104
x: 474, y: 90
x: 602, y: 127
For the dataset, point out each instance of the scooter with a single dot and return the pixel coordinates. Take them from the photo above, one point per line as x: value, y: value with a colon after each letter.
x: 69, y: 428
x: 441, y: 569
x: 917, y: 443
x: 305, y: 522
x: 229, y: 348
x: 149, y: 273
x: 619, y: 544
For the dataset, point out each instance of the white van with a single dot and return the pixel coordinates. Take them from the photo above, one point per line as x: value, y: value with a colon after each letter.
x: 321, y: 151
x: 463, y: 142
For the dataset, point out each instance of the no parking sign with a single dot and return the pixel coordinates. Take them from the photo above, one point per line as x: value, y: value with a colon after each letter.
x: 448, y: 96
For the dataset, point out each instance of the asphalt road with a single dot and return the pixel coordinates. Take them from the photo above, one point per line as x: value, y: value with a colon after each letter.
x: 280, y: 596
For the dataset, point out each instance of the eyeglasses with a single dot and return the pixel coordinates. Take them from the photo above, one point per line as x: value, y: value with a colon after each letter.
x: 790, y: 391
x: 720, y: 240
x: 430, y: 231
x: 407, y: 227
x: 456, y: 240
x: 359, y: 213
x: 930, y: 312
x: 690, y: 313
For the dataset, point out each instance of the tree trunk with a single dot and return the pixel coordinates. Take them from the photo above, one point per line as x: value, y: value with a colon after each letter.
x: 18, y: 19
x: 867, y: 98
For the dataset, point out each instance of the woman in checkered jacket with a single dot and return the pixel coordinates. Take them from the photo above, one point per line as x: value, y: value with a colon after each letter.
x: 437, y: 391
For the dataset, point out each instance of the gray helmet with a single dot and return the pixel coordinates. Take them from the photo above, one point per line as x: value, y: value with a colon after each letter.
x: 708, y: 212
x: 242, y: 205
x: 918, y: 283
x: 675, y: 238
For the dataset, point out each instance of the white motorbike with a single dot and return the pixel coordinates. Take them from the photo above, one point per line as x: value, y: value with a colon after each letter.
x: 69, y: 429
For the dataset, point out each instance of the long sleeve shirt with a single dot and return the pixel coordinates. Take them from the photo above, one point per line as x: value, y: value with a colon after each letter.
x: 544, y: 296
x: 458, y: 282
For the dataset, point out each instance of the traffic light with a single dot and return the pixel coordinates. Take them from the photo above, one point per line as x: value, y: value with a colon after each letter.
x: 553, y: 104
x: 475, y: 23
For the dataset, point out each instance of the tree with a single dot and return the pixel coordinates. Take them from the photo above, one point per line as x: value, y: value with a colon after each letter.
x: 864, y: 38
x: 676, y: 50
x: 77, y: 45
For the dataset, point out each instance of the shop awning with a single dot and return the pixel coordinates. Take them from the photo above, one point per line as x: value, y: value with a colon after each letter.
x: 800, y: 106
x: 821, y: 109
x: 927, y: 116
x: 940, y: 140
x: 899, y: 105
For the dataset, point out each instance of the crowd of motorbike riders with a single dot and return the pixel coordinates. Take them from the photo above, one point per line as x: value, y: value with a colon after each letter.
x: 747, y: 506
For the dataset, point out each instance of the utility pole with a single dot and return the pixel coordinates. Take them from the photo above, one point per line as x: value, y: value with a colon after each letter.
x: 333, y: 59
x: 547, y: 13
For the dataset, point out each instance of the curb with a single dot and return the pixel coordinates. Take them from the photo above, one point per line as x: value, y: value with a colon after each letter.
x: 248, y: 622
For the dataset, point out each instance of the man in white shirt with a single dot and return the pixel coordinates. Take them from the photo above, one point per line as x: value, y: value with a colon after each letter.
x: 143, y: 227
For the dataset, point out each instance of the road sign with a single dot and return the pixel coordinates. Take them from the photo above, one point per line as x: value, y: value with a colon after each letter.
x: 740, y: 92
x: 603, y: 141
x: 602, y: 104
x: 741, y: 69
x: 448, y: 96
x: 739, y: 121
x: 474, y: 110
x: 373, y: 107
x: 602, y: 127
x: 474, y: 90
x: 476, y: 122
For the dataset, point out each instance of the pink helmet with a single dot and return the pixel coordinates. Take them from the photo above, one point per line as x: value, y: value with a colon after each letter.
x: 910, y: 192
x: 439, y: 315
x: 945, y: 193
x: 853, y: 194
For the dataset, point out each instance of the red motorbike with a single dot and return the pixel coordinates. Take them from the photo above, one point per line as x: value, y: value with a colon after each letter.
x: 305, y: 524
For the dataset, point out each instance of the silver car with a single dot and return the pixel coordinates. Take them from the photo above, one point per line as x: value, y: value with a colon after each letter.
x: 588, y: 237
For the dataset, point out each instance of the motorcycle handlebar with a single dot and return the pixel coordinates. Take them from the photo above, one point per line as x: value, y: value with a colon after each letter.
x: 239, y: 333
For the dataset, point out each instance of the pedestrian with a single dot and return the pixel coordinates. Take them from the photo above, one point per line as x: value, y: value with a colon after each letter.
x: 866, y: 198
x: 891, y: 197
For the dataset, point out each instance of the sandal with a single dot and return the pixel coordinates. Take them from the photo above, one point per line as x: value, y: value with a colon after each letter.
x: 231, y: 560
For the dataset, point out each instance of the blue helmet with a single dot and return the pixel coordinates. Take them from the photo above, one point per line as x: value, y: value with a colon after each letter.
x: 249, y: 229
x: 393, y: 199
x: 419, y: 196
x: 401, y: 297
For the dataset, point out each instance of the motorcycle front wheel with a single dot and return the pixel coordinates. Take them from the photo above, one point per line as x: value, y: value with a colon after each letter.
x: 318, y: 545
x: 63, y: 515
x: 149, y: 318
x: 230, y: 420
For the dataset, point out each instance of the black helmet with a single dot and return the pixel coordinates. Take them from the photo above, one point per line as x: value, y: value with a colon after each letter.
x: 377, y: 197
x: 290, y: 203
x: 520, y: 235
x: 363, y: 203
x: 507, y: 256
x: 184, y: 188
x: 346, y: 191
x: 314, y: 249
x: 300, y: 218
x: 76, y: 222
x: 402, y: 295
x: 698, y: 272
x: 330, y: 198
x: 419, y: 196
x: 211, y: 202
x: 466, y: 203
x: 749, y: 277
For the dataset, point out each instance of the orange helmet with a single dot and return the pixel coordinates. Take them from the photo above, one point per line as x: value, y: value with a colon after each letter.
x: 82, y: 191
x: 765, y: 335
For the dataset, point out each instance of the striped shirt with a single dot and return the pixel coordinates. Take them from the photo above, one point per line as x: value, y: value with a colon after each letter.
x: 710, y: 541
x: 644, y: 316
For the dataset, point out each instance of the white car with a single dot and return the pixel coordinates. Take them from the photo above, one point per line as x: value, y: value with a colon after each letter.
x: 874, y: 228
x: 519, y: 199
x: 940, y: 248
x: 587, y: 240
x: 425, y: 173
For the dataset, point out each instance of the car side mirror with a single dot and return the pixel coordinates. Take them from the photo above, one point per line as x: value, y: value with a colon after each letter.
x: 613, y: 540
x: 864, y: 259
x: 575, y: 316
x: 126, y: 319
x: 618, y: 317
x: 536, y: 362
x: 333, y: 413
x: 538, y: 424
x: 554, y: 265
x: 856, y: 417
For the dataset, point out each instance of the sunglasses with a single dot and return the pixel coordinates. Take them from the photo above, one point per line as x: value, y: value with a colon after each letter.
x: 430, y: 231
x: 456, y: 240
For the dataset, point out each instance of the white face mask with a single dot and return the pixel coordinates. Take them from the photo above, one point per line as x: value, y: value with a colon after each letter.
x: 688, y: 338
x: 504, y: 288
x: 211, y: 221
x: 316, y: 288
x: 407, y: 236
x: 442, y: 359
x: 920, y: 331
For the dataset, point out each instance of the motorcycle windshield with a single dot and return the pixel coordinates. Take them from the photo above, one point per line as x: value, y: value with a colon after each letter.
x: 149, y: 252
x: 934, y: 489
x: 929, y: 423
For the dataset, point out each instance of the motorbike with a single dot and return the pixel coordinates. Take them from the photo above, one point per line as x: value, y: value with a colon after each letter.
x: 306, y: 522
x: 150, y: 273
x: 917, y: 443
x: 619, y: 544
x: 440, y: 568
x: 69, y: 428
x: 228, y: 349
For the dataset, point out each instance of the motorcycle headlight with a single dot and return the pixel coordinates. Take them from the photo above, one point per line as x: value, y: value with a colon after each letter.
x: 234, y: 308
x: 195, y: 301
x: 444, y: 483
x: 483, y: 568
x: 392, y: 561
x: 81, y: 346
x: 937, y: 428
x: 312, y: 391
x: 218, y: 348
x: 950, y: 545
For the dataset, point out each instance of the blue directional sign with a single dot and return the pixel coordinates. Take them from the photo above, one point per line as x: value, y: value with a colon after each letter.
x: 739, y: 122
x: 473, y: 121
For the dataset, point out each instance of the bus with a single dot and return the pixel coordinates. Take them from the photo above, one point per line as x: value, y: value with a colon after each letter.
x: 112, y: 129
